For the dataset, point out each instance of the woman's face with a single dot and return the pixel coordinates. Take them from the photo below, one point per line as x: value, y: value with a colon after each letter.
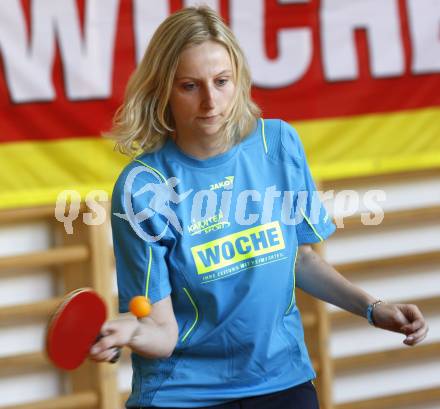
x: 202, y: 92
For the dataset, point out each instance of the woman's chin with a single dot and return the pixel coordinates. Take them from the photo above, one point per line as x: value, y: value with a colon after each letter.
x: 210, y: 130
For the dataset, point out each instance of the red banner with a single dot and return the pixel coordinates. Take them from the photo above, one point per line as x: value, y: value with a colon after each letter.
x: 65, y: 63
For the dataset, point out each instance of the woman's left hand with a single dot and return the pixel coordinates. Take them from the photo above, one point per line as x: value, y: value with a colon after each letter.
x: 403, y: 318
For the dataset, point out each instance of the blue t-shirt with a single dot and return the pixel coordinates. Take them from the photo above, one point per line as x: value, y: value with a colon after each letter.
x: 221, y: 237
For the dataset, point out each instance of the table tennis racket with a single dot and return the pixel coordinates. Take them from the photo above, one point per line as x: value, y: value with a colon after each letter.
x: 74, y: 327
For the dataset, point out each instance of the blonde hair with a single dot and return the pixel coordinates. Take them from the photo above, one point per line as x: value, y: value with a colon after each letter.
x: 144, y: 120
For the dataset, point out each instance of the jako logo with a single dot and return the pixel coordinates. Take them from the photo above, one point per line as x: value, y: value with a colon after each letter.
x: 226, y: 183
x: 223, y: 252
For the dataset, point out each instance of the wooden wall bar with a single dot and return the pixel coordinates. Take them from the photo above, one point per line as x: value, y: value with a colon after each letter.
x: 85, y: 259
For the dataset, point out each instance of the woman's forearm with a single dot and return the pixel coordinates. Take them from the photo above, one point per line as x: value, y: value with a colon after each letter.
x: 153, y: 337
x: 153, y: 340
x: 319, y: 279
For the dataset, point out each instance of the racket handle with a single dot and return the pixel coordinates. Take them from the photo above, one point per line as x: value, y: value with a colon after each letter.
x: 116, y: 356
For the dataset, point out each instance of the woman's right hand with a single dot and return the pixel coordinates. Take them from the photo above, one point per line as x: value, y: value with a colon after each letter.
x: 115, y: 334
x: 154, y: 336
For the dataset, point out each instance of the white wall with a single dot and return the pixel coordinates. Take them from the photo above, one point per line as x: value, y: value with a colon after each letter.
x: 392, y: 284
x: 16, y: 289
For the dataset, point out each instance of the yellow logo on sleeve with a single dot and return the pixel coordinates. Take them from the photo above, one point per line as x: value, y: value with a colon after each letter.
x: 231, y: 249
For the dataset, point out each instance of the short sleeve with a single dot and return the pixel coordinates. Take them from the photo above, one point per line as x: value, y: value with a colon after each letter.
x: 140, y: 256
x: 313, y: 222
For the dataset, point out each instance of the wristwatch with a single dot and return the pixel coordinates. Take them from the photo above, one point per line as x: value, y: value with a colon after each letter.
x: 370, y: 310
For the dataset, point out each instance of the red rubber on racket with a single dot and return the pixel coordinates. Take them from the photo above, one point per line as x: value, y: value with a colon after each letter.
x: 74, y: 327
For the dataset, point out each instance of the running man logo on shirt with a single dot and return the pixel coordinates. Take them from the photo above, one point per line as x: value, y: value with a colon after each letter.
x: 236, y: 247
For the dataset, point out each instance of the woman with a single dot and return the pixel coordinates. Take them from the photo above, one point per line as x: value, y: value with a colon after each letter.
x: 213, y: 223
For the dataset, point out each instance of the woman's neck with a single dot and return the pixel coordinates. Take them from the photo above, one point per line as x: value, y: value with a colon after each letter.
x: 201, y: 148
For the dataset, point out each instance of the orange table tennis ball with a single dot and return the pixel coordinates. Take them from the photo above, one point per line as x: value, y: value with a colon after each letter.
x: 140, y: 306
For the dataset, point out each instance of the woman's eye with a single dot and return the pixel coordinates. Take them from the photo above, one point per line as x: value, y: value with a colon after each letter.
x: 222, y: 81
x: 189, y: 86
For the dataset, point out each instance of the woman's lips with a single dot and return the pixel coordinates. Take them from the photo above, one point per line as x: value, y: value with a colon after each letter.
x: 209, y: 119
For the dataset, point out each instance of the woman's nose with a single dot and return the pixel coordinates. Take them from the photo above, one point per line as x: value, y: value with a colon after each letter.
x: 208, y: 97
